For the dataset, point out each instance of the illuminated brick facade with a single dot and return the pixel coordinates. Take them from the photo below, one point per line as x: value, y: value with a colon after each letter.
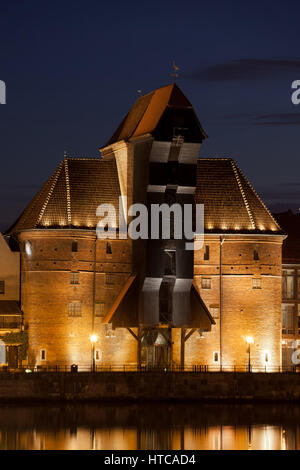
x: 128, y: 292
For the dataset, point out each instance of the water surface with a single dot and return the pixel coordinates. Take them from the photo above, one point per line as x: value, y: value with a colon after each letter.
x: 190, y: 426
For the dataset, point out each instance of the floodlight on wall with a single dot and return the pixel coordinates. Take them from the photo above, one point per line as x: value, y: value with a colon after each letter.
x: 201, y: 335
x: 28, y: 248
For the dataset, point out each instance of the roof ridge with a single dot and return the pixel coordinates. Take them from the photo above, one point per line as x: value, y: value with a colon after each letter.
x: 83, y: 158
x: 260, y: 200
x: 234, y: 167
x: 55, y: 178
x: 155, y: 89
x: 69, y: 215
x: 216, y: 158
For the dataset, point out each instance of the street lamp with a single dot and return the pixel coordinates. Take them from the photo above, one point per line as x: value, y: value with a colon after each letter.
x: 249, y: 341
x: 93, y: 340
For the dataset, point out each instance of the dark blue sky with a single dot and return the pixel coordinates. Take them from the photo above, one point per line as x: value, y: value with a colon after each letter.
x: 72, y: 71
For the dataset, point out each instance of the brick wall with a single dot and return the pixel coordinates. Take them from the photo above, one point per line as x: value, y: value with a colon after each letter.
x: 47, y: 292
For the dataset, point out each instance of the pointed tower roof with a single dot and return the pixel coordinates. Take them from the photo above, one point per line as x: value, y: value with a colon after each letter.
x: 70, y: 197
x: 231, y: 204
x: 148, y: 112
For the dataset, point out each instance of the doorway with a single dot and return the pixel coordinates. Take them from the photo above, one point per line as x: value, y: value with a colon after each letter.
x: 156, y: 349
x: 12, y: 356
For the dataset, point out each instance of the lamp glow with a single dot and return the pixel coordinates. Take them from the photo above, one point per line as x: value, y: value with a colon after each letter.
x: 249, y: 340
x: 28, y: 249
x: 93, y: 338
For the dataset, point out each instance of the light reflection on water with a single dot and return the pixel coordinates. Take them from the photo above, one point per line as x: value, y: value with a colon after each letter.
x: 150, y: 427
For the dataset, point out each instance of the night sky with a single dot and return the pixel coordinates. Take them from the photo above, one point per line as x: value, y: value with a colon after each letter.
x: 72, y: 71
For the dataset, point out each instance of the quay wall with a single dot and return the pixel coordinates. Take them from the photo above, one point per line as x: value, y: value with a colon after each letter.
x: 87, y: 386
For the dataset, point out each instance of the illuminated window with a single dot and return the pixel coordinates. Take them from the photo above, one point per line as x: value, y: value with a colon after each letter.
x: 255, y: 255
x: 288, y: 319
x: 74, y: 278
x: 215, y: 357
x: 206, y: 283
x: 110, y: 278
x: 75, y: 309
x: 206, y: 253
x: 288, y: 283
x: 43, y: 354
x: 74, y: 247
x: 256, y: 283
x: 214, y: 312
x: 2, y: 287
x: 99, y: 309
x: 108, y: 249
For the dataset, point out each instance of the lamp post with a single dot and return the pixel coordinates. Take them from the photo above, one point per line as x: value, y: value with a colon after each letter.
x: 93, y: 339
x: 249, y: 341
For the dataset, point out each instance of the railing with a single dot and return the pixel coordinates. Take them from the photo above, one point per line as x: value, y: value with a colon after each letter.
x: 199, y: 369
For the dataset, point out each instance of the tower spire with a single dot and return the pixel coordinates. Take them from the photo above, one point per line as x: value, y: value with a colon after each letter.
x: 175, y: 75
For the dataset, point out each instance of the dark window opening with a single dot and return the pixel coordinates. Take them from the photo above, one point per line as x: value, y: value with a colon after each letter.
x: 74, y: 247
x: 165, y: 301
x: 206, y: 253
x: 255, y: 255
x: 288, y: 311
x: 170, y: 263
x: 74, y: 279
x: 110, y: 279
x: 2, y: 287
x: 108, y: 249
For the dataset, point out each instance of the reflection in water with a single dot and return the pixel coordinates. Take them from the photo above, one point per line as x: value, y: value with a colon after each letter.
x: 151, y: 427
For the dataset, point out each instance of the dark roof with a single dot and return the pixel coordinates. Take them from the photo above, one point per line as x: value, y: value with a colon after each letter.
x: 71, y: 195
x: 230, y: 202
x: 146, y: 115
x: 9, y: 307
x: 291, y: 246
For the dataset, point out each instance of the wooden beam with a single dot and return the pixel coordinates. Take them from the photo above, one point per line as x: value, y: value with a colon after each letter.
x: 182, y: 347
x: 166, y: 338
x: 192, y: 331
x: 133, y: 334
x: 110, y: 313
x: 140, y: 335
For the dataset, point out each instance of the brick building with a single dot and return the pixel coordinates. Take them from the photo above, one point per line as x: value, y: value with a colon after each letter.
x: 151, y: 302
x: 290, y: 285
x: 11, y: 336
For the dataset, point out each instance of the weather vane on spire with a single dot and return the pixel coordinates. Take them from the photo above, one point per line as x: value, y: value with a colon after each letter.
x: 174, y: 74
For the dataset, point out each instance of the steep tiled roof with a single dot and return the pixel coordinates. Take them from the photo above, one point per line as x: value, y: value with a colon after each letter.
x: 145, y: 114
x: 72, y: 194
x: 230, y: 202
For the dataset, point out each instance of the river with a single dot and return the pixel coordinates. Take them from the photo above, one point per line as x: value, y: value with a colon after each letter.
x: 150, y: 426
